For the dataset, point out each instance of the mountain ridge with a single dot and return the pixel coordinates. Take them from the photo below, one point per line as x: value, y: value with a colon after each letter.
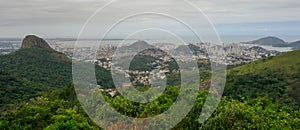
x: 275, y: 42
x: 270, y: 40
x: 295, y: 45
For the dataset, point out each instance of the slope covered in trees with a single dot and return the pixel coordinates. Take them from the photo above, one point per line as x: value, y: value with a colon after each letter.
x: 34, y: 69
x: 276, y: 77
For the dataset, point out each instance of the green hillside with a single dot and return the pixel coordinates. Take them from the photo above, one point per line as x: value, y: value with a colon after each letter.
x: 38, y: 65
x: 14, y: 90
x: 29, y: 72
x: 286, y: 62
x: 276, y: 77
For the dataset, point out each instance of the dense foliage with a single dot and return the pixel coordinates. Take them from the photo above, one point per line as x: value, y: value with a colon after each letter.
x: 14, y: 90
x: 52, y: 111
x: 260, y: 113
x: 59, y: 110
x: 28, y: 72
x: 39, y: 65
x: 275, y: 77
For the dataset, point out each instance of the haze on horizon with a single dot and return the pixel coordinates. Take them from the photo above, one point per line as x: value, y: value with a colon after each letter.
x: 235, y: 20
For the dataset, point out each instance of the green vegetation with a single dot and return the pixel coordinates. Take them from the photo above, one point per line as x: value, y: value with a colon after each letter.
x: 139, y: 62
x: 144, y: 110
x: 56, y: 110
x: 275, y: 77
x: 15, y: 90
x: 28, y: 72
x: 52, y: 111
x: 39, y: 65
x: 260, y: 113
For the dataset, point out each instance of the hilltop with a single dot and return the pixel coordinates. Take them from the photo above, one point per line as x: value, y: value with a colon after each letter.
x: 270, y: 40
x: 32, y: 41
x: 138, y: 46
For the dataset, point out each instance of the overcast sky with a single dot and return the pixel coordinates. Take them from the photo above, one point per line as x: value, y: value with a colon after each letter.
x: 232, y: 18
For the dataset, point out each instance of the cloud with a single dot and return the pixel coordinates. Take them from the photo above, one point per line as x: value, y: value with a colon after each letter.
x: 17, y: 17
x: 238, y: 11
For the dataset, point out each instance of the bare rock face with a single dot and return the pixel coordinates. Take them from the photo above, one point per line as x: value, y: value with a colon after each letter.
x: 32, y: 41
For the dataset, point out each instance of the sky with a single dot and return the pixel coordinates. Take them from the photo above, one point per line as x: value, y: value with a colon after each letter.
x: 234, y: 20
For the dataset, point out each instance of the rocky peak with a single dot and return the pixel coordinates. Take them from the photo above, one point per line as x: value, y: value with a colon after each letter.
x: 32, y: 41
x: 140, y: 45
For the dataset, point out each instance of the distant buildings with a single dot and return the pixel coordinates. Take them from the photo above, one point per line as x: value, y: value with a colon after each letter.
x: 7, y: 47
x: 234, y: 53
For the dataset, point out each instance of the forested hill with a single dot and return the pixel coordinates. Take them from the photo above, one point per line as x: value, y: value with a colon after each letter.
x: 38, y: 63
x: 276, y: 77
x: 36, y: 68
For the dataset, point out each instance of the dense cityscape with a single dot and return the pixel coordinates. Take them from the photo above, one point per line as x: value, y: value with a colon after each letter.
x: 236, y: 53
